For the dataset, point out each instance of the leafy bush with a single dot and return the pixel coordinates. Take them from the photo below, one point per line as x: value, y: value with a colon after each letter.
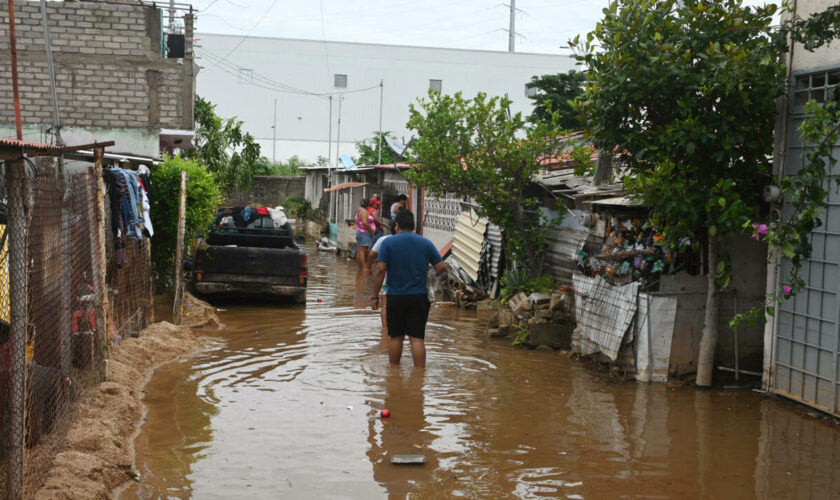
x: 299, y: 207
x: 520, y: 280
x: 203, y: 197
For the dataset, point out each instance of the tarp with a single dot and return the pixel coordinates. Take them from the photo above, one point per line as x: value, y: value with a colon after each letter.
x: 346, y: 185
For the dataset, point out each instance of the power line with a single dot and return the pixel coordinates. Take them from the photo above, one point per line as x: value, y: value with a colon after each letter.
x: 269, y: 84
x: 252, y: 29
x: 324, y: 35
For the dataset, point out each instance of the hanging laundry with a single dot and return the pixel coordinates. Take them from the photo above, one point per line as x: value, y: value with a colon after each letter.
x: 278, y: 215
x: 145, y: 206
x: 261, y: 210
x: 116, y: 189
x: 131, y: 205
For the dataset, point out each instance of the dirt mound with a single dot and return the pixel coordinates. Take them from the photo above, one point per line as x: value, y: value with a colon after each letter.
x: 98, y: 452
x: 198, y: 314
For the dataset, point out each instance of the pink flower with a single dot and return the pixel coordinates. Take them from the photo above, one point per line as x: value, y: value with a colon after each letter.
x: 788, y: 290
x: 759, y: 231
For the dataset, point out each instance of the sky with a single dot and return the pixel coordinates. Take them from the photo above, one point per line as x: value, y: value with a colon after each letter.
x: 544, y: 26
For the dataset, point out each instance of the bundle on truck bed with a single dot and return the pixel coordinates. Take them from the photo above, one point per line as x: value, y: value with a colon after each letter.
x: 251, y: 252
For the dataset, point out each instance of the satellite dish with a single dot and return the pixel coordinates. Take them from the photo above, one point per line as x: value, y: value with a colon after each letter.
x: 396, y: 146
x: 348, y: 162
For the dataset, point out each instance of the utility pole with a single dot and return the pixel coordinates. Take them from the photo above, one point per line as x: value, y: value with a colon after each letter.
x: 172, y: 16
x: 381, y: 88
x: 13, y: 52
x: 512, y: 29
x: 329, y: 140
x: 51, y: 69
x: 273, y: 134
x: 338, y: 133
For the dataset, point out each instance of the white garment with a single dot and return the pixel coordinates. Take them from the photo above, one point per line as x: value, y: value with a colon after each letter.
x: 144, y: 204
x: 278, y: 215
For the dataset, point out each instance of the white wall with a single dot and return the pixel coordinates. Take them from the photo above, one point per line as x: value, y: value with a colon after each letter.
x: 303, y: 120
x: 826, y: 56
x: 142, y: 141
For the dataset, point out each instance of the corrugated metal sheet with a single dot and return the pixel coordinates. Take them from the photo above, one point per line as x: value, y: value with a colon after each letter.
x: 494, y: 235
x: 466, y: 248
x: 561, y: 254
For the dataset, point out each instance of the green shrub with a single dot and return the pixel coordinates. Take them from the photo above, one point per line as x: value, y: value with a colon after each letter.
x: 203, y: 197
x: 517, y: 280
x: 299, y: 207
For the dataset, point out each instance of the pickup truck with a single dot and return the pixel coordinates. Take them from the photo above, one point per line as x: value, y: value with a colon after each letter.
x: 257, y: 256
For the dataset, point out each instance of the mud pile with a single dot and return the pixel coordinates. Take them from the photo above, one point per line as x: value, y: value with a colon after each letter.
x: 198, y: 314
x: 97, y: 455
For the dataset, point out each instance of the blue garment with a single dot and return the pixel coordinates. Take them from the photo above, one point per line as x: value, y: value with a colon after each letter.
x: 364, y: 239
x: 407, y: 256
x: 134, y: 222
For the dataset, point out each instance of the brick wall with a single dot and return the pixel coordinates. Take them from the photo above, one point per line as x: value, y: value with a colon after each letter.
x: 269, y: 190
x: 108, y: 65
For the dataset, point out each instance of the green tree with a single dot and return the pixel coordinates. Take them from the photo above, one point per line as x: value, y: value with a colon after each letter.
x: 291, y: 167
x: 557, y: 94
x: 368, y: 150
x: 203, y: 197
x: 686, y: 91
x: 224, y: 148
x: 475, y: 148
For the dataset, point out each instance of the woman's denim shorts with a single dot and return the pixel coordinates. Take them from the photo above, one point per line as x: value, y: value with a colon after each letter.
x: 364, y: 238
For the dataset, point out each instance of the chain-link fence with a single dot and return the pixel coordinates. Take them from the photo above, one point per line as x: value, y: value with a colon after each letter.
x: 60, y: 280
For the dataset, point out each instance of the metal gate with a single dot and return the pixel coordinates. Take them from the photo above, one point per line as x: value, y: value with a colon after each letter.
x: 806, y: 366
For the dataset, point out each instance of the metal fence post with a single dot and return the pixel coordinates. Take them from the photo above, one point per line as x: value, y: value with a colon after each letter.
x: 178, y: 306
x: 98, y: 257
x: 67, y: 292
x: 16, y: 185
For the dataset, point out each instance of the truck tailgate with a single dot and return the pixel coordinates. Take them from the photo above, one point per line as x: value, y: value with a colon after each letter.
x: 267, y: 265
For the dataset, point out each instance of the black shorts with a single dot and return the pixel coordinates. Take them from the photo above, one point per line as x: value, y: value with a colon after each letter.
x: 407, y: 315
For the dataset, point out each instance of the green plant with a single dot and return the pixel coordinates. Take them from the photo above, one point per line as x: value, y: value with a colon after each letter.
x: 202, y: 199
x: 519, y: 335
x: 517, y: 280
x: 368, y: 150
x: 476, y: 148
x: 556, y: 94
x: 298, y: 207
x: 581, y: 156
x: 230, y: 153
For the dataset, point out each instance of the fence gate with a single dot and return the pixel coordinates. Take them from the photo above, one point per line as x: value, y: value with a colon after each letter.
x: 806, y: 362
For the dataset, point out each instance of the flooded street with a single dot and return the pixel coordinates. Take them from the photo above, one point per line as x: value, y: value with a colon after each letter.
x: 285, y: 404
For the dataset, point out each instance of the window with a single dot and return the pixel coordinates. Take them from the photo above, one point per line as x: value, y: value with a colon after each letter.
x: 817, y: 86
x: 530, y: 91
x: 436, y: 85
x: 246, y: 75
x: 340, y: 81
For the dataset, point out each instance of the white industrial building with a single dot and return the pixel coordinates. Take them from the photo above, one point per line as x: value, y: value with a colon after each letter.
x: 246, y: 77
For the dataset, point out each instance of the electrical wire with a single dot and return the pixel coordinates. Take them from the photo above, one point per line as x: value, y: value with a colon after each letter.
x: 324, y: 36
x: 269, y: 84
x: 242, y: 40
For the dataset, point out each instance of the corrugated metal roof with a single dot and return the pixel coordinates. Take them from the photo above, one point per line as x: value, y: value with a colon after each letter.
x: 617, y: 201
x: 494, y: 236
x: 30, y: 147
x: 469, y: 237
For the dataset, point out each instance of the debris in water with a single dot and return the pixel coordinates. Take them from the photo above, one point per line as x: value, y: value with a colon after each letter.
x: 349, y: 407
x: 408, y: 459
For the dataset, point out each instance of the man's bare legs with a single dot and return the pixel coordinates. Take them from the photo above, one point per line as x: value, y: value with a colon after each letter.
x: 418, y: 351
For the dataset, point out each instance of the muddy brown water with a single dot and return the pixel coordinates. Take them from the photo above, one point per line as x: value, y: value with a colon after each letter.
x: 286, y: 402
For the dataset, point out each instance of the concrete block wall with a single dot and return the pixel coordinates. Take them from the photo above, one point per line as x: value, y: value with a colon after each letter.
x: 269, y: 190
x: 108, y: 64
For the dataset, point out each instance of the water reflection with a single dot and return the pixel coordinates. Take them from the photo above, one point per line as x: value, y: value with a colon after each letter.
x: 286, y: 406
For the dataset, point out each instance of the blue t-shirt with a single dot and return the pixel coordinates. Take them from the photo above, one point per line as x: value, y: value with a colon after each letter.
x: 408, y: 256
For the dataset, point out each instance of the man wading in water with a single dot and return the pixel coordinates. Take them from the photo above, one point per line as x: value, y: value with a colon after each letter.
x: 406, y: 257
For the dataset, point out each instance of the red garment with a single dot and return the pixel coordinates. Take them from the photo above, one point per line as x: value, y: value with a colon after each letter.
x: 261, y: 210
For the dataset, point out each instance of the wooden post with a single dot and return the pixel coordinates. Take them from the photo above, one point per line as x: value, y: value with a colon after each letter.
x: 178, y: 304
x: 99, y: 256
x: 16, y: 187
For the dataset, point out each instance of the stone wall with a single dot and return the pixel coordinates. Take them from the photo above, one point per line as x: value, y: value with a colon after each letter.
x: 269, y: 190
x: 109, y: 68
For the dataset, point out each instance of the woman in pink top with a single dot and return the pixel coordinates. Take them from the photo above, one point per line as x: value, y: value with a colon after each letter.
x: 365, y: 229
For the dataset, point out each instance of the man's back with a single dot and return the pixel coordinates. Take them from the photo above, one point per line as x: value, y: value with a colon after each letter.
x: 407, y: 256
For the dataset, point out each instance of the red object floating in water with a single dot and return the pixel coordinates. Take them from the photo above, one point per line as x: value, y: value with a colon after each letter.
x: 385, y: 413
x: 320, y: 300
